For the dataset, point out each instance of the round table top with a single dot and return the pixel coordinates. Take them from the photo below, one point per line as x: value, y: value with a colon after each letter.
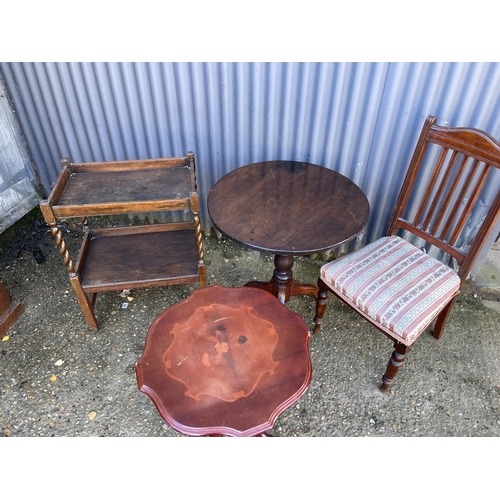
x: 225, y: 361
x: 288, y: 207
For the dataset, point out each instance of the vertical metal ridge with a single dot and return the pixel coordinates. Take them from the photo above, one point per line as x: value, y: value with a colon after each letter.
x: 361, y: 119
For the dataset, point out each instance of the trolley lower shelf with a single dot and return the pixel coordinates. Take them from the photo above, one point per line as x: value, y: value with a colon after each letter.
x: 136, y: 257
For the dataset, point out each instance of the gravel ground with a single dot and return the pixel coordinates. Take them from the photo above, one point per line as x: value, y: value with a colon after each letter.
x: 58, y: 378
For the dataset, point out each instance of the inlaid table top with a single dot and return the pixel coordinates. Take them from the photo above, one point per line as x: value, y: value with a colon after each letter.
x: 225, y: 361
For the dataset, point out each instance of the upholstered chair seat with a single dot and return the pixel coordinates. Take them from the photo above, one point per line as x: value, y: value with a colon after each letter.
x: 395, y: 283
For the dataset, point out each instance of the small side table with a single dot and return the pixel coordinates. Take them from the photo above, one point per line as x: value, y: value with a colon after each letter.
x: 225, y: 361
x: 287, y: 208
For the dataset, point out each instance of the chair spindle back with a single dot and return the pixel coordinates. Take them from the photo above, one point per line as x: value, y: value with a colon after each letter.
x: 465, y: 160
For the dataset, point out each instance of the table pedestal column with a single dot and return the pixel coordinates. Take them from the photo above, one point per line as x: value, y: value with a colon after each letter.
x: 282, y: 284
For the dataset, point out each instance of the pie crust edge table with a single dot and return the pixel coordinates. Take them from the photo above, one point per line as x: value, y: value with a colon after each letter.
x: 225, y: 361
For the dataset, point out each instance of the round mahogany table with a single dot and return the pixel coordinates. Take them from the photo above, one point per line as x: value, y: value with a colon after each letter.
x: 287, y: 208
x: 225, y: 361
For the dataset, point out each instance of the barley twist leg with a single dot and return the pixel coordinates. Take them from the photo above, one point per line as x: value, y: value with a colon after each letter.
x: 57, y: 234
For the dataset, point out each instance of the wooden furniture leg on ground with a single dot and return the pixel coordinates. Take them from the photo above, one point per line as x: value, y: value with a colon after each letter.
x: 9, y: 311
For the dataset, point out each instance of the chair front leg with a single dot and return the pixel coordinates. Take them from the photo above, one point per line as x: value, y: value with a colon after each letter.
x: 320, y: 304
x: 397, y: 358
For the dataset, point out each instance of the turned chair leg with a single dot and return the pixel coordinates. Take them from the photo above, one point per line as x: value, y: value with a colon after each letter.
x: 320, y: 305
x: 397, y: 358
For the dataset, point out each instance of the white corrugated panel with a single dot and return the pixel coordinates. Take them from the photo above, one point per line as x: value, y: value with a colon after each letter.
x: 361, y: 119
x: 18, y: 185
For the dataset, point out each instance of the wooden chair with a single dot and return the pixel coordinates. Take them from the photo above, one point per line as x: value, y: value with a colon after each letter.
x: 397, y: 285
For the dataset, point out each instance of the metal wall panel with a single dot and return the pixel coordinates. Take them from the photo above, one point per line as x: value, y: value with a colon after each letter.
x: 362, y: 119
x: 18, y: 183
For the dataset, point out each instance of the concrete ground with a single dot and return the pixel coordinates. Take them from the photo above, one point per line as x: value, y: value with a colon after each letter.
x: 489, y: 273
x: 58, y: 378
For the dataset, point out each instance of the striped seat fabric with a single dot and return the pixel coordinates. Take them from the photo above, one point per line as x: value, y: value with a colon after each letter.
x: 395, y: 284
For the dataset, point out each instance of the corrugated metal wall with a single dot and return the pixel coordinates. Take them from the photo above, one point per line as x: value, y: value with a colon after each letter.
x: 361, y: 119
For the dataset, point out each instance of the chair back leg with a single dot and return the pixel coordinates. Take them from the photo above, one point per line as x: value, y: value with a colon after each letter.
x: 441, y: 320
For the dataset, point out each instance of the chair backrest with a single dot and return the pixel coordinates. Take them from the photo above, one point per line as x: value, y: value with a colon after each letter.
x: 438, y: 205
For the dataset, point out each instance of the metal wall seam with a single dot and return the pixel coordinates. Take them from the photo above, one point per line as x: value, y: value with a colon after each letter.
x: 362, y: 119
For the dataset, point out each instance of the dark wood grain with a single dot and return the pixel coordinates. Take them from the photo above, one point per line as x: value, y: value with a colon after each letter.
x: 107, y: 192
x: 225, y: 361
x: 134, y: 256
x: 139, y: 259
x: 287, y: 208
